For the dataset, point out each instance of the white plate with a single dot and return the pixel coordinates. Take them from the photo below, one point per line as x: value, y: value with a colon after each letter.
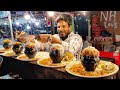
x: 38, y: 56
x: 9, y: 54
x: 55, y: 65
x: 67, y: 68
x: 2, y: 50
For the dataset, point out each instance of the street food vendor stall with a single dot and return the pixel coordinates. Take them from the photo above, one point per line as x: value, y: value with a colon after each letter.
x: 59, y: 56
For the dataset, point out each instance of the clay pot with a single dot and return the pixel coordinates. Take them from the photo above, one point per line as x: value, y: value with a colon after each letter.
x: 17, y: 48
x: 89, y: 63
x: 7, y: 45
x: 30, y: 52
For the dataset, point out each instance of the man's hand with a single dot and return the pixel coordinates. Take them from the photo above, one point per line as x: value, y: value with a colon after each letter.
x: 46, y: 38
x: 42, y: 38
x: 55, y: 40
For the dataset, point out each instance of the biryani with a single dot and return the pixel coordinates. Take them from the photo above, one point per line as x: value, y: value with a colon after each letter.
x: 68, y: 56
x: 7, y: 41
x: 99, y: 71
x: 4, y: 49
x: 25, y: 58
x: 46, y: 61
x: 49, y: 62
x: 17, y: 43
x: 11, y: 53
x: 22, y: 57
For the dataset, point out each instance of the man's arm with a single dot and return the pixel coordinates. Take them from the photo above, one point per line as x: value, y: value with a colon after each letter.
x: 55, y: 40
x: 44, y: 38
x: 73, y: 45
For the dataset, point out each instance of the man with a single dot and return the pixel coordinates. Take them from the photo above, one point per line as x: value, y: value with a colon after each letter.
x: 71, y: 42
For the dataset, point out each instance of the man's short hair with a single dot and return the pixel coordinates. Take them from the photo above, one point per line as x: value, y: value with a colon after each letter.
x: 67, y: 18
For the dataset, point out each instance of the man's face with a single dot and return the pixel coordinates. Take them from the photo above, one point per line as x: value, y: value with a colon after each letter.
x: 63, y: 29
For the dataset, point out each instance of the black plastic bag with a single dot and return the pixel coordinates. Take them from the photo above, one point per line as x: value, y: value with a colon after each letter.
x: 105, y: 33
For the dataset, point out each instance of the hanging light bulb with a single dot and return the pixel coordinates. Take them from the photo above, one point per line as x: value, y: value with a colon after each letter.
x: 51, y: 13
x: 84, y: 12
x: 27, y: 16
x: 45, y: 19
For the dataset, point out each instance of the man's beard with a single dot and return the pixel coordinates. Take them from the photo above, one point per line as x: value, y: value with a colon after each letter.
x: 62, y: 35
x: 63, y: 38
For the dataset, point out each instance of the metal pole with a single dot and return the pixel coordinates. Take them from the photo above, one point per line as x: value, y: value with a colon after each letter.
x: 89, y: 27
x: 114, y: 38
x: 52, y: 26
x: 73, y: 25
x: 10, y: 21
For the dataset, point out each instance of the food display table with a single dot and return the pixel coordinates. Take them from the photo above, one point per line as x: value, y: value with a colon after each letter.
x: 31, y: 70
